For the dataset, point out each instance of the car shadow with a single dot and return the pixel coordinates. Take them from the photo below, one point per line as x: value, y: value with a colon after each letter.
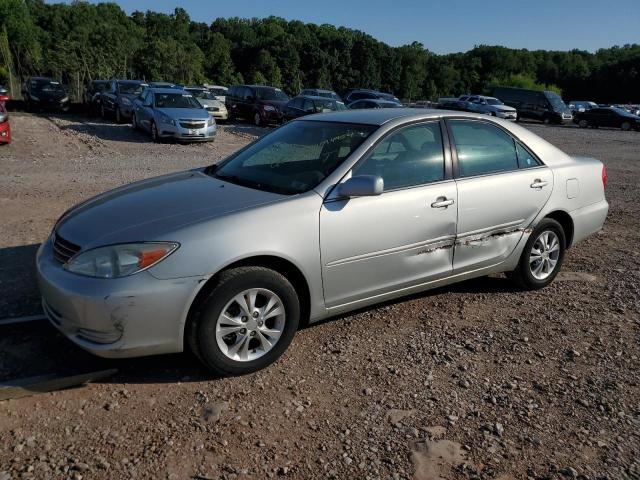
x: 36, y: 348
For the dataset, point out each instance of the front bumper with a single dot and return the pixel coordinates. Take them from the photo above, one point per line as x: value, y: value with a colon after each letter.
x: 507, y: 115
x: 271, y: 116
x: 219, y: 114
x: 115, y: 318
x: 177, y: 132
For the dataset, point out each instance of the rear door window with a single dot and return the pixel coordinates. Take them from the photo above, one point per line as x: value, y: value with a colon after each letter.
x: 482, y: 148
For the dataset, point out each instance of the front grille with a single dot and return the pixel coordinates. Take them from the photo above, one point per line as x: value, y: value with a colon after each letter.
x: 192, y: 124
x: 62, y: 249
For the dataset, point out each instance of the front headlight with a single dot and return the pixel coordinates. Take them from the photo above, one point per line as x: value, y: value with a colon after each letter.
x: 211, y: 121
x: 126, y: 102
x: 64, y: 100
x: 269, y: 108
x: 167, y: 120
x: 33, y: 97
x: 3, y: 117
x: 116, y: 261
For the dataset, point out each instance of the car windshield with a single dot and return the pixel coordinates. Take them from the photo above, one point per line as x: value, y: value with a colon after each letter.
x: 218, y: 91
x: 99, y: 86
x: 494, y: 101
x: 294, y: 158
x: 389, y: 97
x: 388, y: 105
x: 555, y: 101
x: 271, y: 94
x: 176, y: 100
x: 130, y: 88
x: 329, y: 105
x: 46, y: 86
x: 203, y: 94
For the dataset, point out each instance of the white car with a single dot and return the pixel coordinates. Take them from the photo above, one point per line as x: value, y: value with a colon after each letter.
x: 489, y: 106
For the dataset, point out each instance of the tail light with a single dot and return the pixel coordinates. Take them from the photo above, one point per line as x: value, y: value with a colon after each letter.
x: 604, y: 176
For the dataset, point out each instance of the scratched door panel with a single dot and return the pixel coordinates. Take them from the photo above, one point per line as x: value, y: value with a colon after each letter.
x: 374, y: 245
x: 493, y: 212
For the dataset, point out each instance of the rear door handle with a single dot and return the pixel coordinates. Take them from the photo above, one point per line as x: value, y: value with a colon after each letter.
x: 442, y: 202
x: 537, y: 183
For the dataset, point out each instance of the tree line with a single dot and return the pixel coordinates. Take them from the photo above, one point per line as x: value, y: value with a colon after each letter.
x: 78, y: 42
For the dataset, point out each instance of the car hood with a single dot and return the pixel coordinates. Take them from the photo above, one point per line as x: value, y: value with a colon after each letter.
x: 504, y: 108
x: 149, y: 209
x: 190, y: 113
x: 211, y: 103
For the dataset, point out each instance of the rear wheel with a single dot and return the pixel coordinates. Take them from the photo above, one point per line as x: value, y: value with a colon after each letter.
x: 542, y: 256
x: 625, y: 126
x: 583, y: 123
x: 246, y: 323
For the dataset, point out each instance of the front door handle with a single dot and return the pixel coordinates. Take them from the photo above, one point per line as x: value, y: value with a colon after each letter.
x: 537, y: 183
x: 442, y: 202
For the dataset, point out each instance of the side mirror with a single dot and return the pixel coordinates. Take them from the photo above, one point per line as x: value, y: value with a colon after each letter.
x: 361, y: 186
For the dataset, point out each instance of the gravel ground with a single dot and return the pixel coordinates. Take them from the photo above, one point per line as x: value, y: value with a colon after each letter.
x: 472, y: 381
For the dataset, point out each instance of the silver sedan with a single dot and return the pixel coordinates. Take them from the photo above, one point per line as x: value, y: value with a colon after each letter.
x: 323, y: 215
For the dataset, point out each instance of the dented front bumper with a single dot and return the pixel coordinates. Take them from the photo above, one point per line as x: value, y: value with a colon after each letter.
x: 123, y: 317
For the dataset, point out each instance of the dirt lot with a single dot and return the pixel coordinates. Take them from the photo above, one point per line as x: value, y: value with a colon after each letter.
x: 473, y: 381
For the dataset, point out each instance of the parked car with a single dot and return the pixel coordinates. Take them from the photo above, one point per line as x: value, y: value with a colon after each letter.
x: 45, y: 93
x: 545, y: 106
x: 5, y: 128
x: 4, y: 94
x: 355, y: 94
x: 92, y: 94
x: 581, y: 105
x: 169, y: 113
x: 324, y: 215
x: 261, y: 104
x: 318, y: 92
x: 307, y: 104
x: 489, y: 106
x: 373, y: 103
x: 607, y: 117
x: 219, y: 91
x: 117, y: 99
x: 209, y: 101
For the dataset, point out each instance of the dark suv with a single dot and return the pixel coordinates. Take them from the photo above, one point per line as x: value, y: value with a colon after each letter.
x: 541, y: 105
x: 258, y: 103
x: 117, y: 98
x: 44, y: 92
x: 354, y: 94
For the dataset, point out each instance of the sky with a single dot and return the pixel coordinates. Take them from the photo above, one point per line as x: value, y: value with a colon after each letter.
x: 442, y: 26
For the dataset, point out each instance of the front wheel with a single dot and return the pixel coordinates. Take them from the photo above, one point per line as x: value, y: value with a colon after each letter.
x: 246, y: 323
x: 542, y: 256
x: 257, y: 120
x: 625, y: 126
x: 546, y: 120
x: 583, y: 123
x: 118, y: 115
x: 134, y: 122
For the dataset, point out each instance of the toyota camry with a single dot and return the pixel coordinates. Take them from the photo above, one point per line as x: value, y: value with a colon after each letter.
x: 326, y: 214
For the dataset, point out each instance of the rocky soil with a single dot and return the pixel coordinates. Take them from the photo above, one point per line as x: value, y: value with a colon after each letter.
x: 474, y: 381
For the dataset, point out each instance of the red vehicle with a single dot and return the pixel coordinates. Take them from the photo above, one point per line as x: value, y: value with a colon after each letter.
x: 5, y: 129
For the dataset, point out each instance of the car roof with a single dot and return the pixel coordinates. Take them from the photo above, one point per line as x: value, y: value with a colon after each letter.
x: 165, y: 90
x: 383, y: 115
x: 134, y: 82
x: 316, y: 97
x: 319, y: 90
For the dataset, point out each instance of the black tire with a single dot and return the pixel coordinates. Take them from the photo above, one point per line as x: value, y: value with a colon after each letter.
x: 118, y: 115
x: 103, y: 112
x: 257, y: 121
x: 626, y: 126
x: 201, y: 336
x: 522, y: 275
x: 583, y: 123
x: 134, y: 122
x: 546, y: 121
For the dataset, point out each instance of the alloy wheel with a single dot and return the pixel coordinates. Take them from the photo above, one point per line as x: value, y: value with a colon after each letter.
x: 250, y: 324
x: 544, y: 254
